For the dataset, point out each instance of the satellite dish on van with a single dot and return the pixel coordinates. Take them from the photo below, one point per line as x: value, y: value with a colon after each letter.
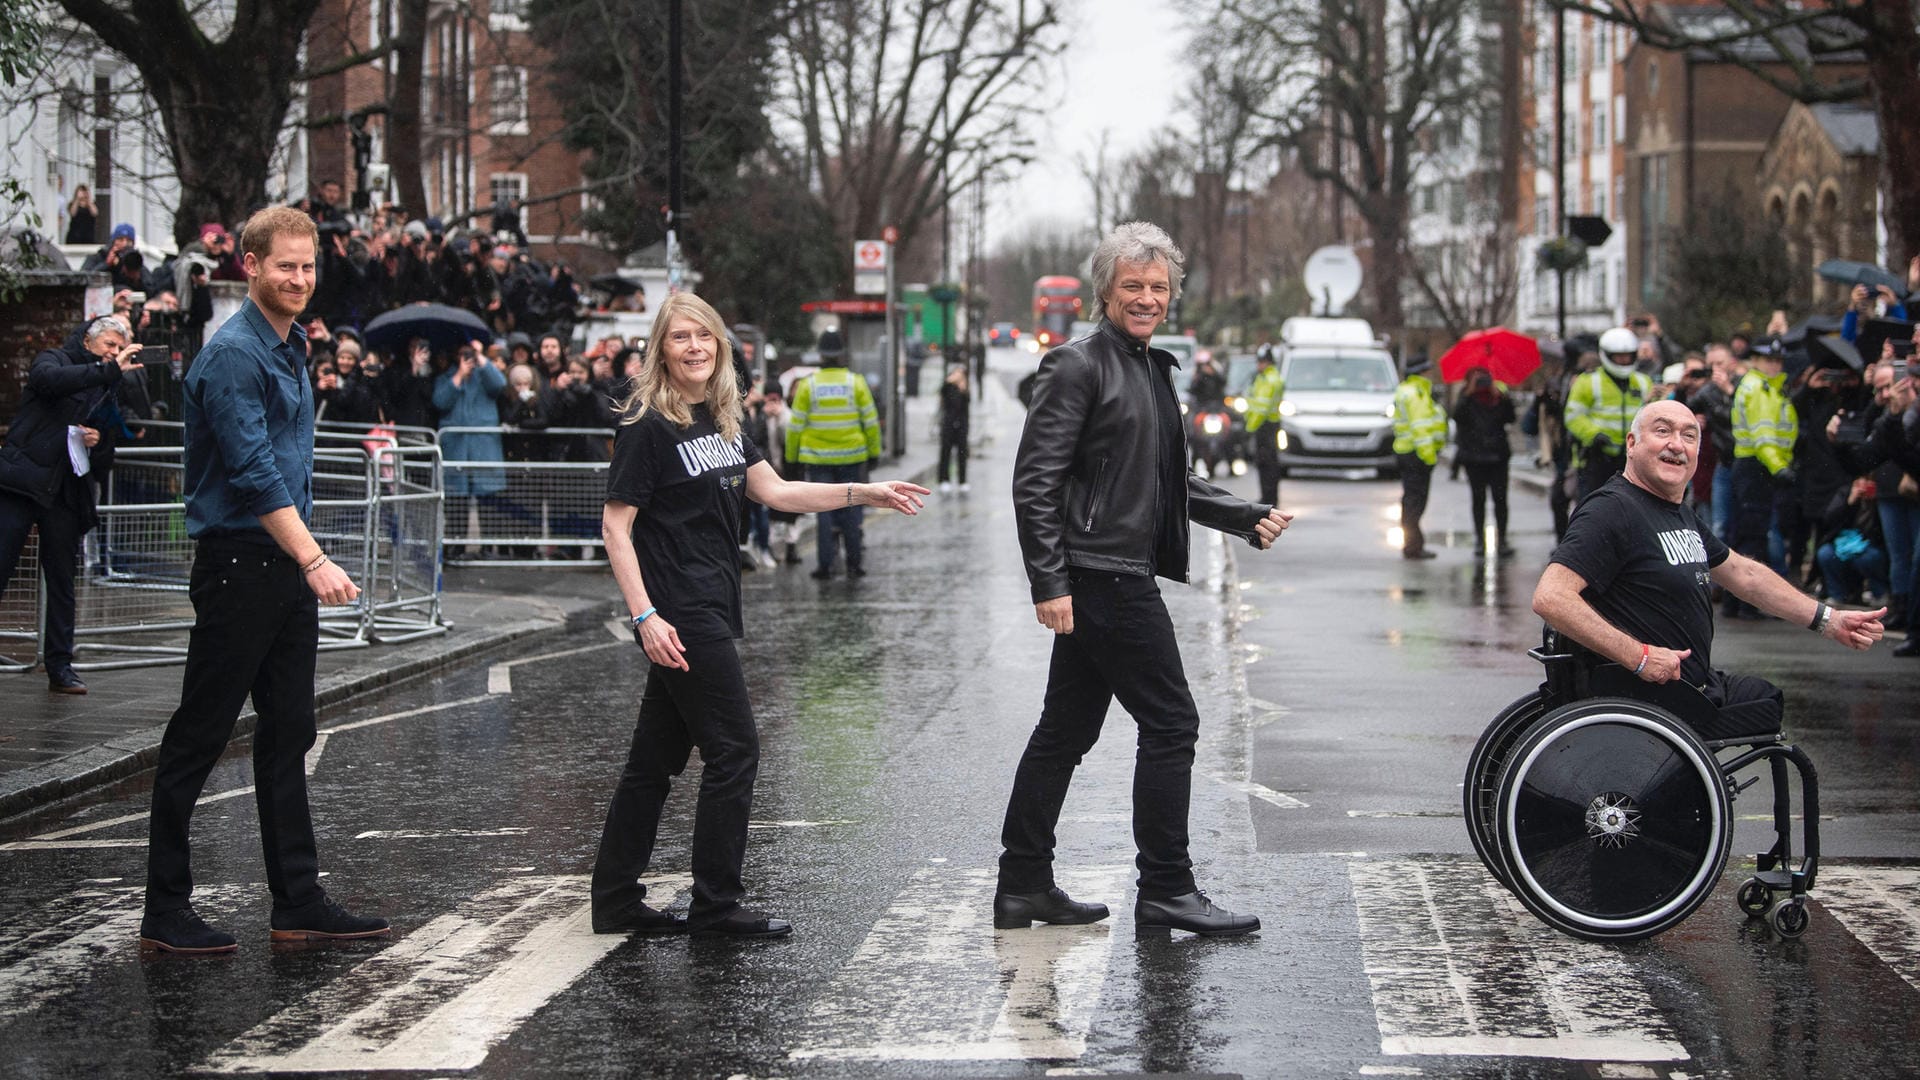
x: 1332, y: 278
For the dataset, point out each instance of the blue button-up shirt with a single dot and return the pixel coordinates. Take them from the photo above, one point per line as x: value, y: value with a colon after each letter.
x: 249, y: 429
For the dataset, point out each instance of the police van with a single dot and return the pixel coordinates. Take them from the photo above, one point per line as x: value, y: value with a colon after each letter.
x: 1338, y: 408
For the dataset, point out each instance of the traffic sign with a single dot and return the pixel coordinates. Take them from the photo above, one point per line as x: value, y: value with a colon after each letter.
x: 870, y: 255
x: 890, y: 234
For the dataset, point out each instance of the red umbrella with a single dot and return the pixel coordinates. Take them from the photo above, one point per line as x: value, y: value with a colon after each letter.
x: 1510, y: 356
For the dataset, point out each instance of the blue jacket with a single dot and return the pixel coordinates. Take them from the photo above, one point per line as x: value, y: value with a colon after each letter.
x: 249, y: 429
x: 471, y: 405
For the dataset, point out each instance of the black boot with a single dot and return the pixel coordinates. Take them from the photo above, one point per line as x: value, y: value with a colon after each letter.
x: 1192, y: 912
x: 1017, y: 911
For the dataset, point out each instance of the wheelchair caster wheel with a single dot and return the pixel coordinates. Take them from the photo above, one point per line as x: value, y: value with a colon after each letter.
x: 1788, y: 917
x: 1755, y: 898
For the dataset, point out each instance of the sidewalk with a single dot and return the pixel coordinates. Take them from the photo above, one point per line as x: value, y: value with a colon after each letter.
x: 54, y: 747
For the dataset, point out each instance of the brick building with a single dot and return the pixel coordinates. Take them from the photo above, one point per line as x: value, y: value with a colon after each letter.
x: 1819, y: 182
x: 489, y: 123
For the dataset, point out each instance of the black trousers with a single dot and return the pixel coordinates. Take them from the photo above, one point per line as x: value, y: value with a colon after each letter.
x: 953, y: 449
x: 1122, y: 646
x: 1266, y: 462
x: 1748, y: 705
x: 703, y: 707
x: 60, y: 531
x: 255, y: 628
x: 1486, y: 481
x: 1754, y: 496
x: 1416, y: 479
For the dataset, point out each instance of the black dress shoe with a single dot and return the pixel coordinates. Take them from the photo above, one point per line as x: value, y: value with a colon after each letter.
x: 1192, y: 912
x: 856, y: 571
x: 65, y: 682
x: 324, y: 920
x: 1419, y: 553
x: 1017, y: 911
x: 640, y: 919
x: 820, y: 575
x: 1909, y: 647
x: 741, y: 923
x: 183, y: 931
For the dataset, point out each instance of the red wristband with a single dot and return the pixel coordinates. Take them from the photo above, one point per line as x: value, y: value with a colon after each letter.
x: 1645, y: 651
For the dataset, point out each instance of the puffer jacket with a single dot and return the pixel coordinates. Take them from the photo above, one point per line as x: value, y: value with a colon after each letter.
x: 1098, y: 479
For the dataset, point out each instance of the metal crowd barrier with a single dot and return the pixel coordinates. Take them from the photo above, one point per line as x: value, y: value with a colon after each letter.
x: 536, y: 511
x: 376, y: 513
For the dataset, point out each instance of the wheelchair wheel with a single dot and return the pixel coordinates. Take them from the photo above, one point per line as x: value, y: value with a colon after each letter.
x: 1483, y: 777
x: 1754, y: 898
x: 1612, y: 819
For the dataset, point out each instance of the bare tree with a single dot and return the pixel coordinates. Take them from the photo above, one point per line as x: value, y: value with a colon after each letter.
x: 1784, y: 43
x: 1106, y: 182
x: 897, y: 104
x: 1472, y: 277
x: 1352, y: 86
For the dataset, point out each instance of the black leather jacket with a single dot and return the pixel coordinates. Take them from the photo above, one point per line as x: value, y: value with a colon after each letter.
x: 1090, y: 483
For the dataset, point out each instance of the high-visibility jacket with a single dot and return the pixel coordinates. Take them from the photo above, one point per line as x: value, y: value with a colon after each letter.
x: 1263, y: 398
x: 1419, y: 425
x: 1597, y: 405
x: 832, y: 420
x: 1765, y: 423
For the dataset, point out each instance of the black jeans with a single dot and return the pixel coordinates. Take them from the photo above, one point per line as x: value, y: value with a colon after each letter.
x: 60, y: 534
x: 1486, y: 479
x: 706, y: 707
x: 1416, y: 478
x: 1122, y: 646
x: 1266, y: 461
x: 953, y: 446
x: 255, y: 628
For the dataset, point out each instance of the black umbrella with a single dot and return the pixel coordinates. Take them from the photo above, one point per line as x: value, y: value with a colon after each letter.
x: 615, y: 284
x: 1810, y: 327
x: 445, y: 328
x: 1874, y: 333
x: 1848, y: 272
x: 1834, y: 351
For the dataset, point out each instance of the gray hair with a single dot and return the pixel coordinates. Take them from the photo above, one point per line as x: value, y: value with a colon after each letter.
x: 106, y: 324
x: 1136, y: 242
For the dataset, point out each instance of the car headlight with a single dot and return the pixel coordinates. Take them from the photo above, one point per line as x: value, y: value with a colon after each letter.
x: 1239, y: 404
x: 1387, y: 411
x: 1183, y: 408
x: 1283, y: 438
x: 1288, y: 408
x: 1212, y: 425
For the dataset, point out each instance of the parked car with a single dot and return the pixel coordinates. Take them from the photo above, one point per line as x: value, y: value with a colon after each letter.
x: 1338, y: 407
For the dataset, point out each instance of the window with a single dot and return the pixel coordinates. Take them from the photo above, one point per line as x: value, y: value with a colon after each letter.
x: 1653, y: 76
x: 1457, y: 203
x: 1602, y: 39
x: 507, y: 14
x: 1428, y: 200
x: 1600, y: 286
x: 1600, y: 126
x: 1600, y: 200
x: 1620, y: 194
x: 507, y: 186
x: 507, y: 95
x: 1653, y: 225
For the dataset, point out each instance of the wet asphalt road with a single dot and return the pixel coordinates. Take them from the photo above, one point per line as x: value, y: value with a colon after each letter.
x: 1340, y: 691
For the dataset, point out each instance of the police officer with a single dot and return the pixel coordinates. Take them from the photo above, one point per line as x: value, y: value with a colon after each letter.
x: 1263, y: 423
x: 1600, y: 408
x: 834, y: 432
x: 1419, y: 430
x: 1765, y: 425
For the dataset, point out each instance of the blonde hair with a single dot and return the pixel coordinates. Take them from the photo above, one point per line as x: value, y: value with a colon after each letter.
x: 652, y: 389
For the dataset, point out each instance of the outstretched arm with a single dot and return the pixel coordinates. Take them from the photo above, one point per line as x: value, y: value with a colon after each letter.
x: 765, y: 487
x: 1771, y: 593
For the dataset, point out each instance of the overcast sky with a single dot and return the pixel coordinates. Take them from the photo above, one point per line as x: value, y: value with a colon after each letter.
x: 1122, y: 70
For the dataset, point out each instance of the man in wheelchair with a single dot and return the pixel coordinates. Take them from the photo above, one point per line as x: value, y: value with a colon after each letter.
x: 1631, y: 580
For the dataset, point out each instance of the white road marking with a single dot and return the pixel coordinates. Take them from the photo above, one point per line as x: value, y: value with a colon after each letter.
x: 47, y: 952
x: 74, y: 845
x: 623, y: 637
x: 444, y: 995
x: 1403, y: 813
x: 1458, y: 967
x: 933, y: 982
x: 797, y: 824
x: 1262, y: 792
x: 439, y: 834
x: 1879, y: 905
x: 500, y: 679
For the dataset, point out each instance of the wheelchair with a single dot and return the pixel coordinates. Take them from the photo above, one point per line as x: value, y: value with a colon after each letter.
x: 1604, y: 803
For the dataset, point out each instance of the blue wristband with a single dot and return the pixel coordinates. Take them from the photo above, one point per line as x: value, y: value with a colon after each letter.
x: 643, y: 616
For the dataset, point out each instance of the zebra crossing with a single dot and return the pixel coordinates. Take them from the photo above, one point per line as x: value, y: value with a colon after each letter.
x: 1456, y: 969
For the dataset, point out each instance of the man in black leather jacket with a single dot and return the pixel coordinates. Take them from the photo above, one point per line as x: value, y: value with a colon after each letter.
x: 39, y: 484
x: 1102, y: 499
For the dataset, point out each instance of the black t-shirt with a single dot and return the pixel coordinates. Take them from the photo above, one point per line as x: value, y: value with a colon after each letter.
x: 1646, y: 563
x: 690, y: 487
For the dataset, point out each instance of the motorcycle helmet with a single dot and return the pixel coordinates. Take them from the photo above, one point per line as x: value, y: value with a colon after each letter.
x: 1618, y: 351
x: 1264, y: 354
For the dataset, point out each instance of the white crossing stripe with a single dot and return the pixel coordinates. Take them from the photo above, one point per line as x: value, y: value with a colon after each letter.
x: 1880, y: 906
x: 444, y: 995
x: 500, y: 679
x: 1262, y: 792
x: 934, y: 982
x: 1459, y: 967
x: 50, y: 950
x: 440, y: 834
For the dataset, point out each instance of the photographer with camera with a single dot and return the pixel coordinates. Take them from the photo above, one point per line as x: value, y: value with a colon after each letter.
x: 44, y: 469
x: 1881, y: 442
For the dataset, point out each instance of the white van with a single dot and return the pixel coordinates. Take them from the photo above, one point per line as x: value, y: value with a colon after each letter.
x: 1338, y: 408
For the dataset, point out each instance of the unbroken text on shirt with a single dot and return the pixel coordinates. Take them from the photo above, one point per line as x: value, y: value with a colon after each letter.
x: 709, y: 452
x: 1683, y: 546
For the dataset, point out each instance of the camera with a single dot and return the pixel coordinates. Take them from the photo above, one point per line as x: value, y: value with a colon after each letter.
x: 335, y: 228
x: 136, y: 298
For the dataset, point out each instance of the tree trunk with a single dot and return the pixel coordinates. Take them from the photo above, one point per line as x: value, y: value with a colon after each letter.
x: 1893, y: 69
x: 403, y: 109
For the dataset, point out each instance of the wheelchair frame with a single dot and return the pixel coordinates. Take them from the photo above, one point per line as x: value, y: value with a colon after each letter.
x: 1550, y: 812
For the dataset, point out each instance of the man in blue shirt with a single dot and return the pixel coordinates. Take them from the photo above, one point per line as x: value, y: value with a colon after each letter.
x: 258, y: 580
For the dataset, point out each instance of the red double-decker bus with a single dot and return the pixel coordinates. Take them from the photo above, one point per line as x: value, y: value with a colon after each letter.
x: 1056, y: 304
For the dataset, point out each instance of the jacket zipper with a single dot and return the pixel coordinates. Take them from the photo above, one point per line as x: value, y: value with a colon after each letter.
x: 1093, y: 496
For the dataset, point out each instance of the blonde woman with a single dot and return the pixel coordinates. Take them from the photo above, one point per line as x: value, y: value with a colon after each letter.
x: 677, y: 487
